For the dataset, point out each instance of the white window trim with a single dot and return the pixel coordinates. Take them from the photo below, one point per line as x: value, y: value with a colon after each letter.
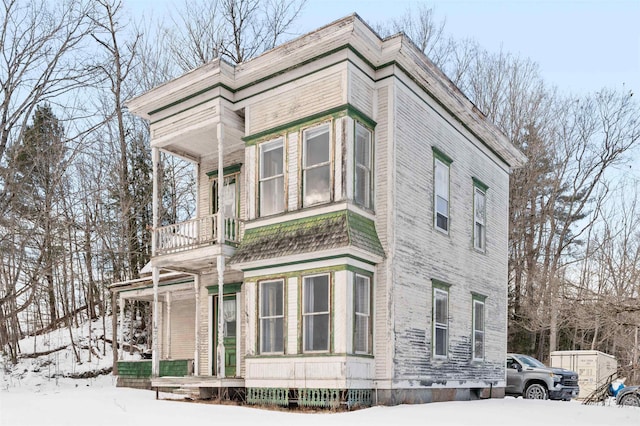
x: 477, y: 301
x: 260, y: 317
x: 262, y: 148
x: 304, y: 168
x: 305, y: 315
x: 483, y: 222
x: 439, y: 163
x: 368, y: 167
x: 369, y: 348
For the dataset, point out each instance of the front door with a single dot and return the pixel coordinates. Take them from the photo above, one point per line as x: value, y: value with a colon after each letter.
x: 229, y: 337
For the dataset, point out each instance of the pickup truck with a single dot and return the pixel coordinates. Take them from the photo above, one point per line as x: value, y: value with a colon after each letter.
x: 531, y: 379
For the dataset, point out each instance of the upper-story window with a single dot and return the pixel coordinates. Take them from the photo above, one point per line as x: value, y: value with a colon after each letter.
x: 363, y: 163
x: 441, y: 165
x: 479, y: 215
x: 316, y: 165
x: 272, y: 177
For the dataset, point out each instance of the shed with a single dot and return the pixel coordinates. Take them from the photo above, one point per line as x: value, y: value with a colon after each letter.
x: 593, y: 367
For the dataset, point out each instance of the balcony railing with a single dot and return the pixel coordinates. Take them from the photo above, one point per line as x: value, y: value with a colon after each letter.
x: 195, y: 233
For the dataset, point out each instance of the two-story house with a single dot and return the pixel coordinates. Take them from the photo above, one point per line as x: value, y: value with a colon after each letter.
x: 360, y: 254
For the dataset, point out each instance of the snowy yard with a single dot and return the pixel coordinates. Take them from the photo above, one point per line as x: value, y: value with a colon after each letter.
x: 30, y: 396
x: 99, y: 402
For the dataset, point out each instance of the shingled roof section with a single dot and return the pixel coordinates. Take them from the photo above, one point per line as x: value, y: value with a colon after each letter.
x: 309, y: 235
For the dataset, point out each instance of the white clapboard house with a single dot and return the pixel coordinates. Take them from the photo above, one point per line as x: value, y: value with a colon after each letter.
x: 360, y: 256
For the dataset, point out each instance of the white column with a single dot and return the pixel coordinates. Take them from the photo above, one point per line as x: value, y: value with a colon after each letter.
x: 196, y: 352
x: 155, y: 354
x: 167, y: 298
x: 220, y: 260
x: 121, y: 325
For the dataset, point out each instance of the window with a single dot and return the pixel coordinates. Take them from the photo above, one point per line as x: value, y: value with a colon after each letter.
x: 271, y: 177
x: 272, y: 317
x: 478, y: 328
x: 440, y: 322
x: 315, y: 313
x: 441, y: 195
x: 362, y: 317
x: 231, y: 197
x: 363, y: 175
x: 316, y: 179
x: 479, y: 214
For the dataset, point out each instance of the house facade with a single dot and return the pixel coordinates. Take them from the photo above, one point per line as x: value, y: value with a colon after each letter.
x: 356, y: 251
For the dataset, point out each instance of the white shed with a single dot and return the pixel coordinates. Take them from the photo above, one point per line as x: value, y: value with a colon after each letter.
x: 593, y: 367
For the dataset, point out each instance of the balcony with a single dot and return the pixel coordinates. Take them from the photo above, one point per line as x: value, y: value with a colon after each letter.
x: 193, y: 243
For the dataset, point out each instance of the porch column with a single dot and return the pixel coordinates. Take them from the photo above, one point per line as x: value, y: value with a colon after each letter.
x: 196, y: 352
x: 121, y: 325
x: 220, y: 260
x: 167, y: 299
x: 155, y: 355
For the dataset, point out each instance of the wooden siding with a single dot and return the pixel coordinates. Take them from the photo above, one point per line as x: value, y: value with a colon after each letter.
x: 291, y: 171
x: 421, y: 253
x: 182, y: 329
x: 296, y: 100
x: 184, y: 122
x: 384, y: 158
x: 204, y: 183
x: 361, y: 89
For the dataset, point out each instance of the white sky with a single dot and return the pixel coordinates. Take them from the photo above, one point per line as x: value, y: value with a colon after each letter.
x: 580, y: 45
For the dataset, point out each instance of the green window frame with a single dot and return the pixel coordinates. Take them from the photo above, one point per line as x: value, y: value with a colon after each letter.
x: 363, y: 161
x: 441, y: 191
x: 478, y: 327
x: 272, y: 316
x: 440, y: 319
x: 362, y: 318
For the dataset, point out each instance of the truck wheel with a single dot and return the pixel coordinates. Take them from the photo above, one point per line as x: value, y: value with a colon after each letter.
x: 536, y: 391
x: 631, y: 399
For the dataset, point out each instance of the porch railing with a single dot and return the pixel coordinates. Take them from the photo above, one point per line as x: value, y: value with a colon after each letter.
x: 195, y: 233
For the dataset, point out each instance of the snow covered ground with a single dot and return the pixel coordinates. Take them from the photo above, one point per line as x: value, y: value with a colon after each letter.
x: 34, y: 392
x: 99, y: 402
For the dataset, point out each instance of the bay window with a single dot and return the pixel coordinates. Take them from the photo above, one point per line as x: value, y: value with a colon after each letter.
x: 315, y: 313
x: 271, y: 177
x: 316, y: 165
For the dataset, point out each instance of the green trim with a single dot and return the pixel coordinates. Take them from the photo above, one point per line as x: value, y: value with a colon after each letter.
x: 159, y: 285
x: 317, y: 259
x: 479, y: 184
x: 436, y: 283
x: 229, y: 170
x: 229, y: 288
x: 309, y: 355
x: 441, y: 156
x: 296, y: 125
x: 478, y: 296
